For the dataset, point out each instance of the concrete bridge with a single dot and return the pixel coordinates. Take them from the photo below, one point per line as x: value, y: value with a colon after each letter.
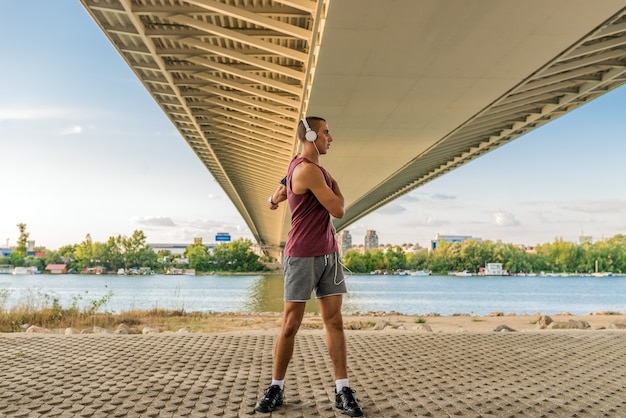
x: 411, y: 89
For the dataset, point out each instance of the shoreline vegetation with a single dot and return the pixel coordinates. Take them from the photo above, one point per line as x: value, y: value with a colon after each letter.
x: 121, y: 253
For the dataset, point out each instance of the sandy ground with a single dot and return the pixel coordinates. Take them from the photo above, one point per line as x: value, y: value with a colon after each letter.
x: 390, y: 322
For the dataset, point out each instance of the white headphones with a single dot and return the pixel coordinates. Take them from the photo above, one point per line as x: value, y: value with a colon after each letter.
x: 310, y: 134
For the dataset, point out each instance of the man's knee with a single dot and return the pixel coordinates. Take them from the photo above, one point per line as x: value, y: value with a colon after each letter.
x: 291, y: 325
x: 334, y: 322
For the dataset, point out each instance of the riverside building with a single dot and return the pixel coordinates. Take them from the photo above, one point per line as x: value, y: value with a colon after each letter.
x: 371, y: 240
x: 344, y: 241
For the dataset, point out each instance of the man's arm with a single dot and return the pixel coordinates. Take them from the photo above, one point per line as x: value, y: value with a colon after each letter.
x: 280, y: 195
x: 309, y: 177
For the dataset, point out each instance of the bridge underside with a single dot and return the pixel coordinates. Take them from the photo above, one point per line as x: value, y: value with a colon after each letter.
x: 411, y: 89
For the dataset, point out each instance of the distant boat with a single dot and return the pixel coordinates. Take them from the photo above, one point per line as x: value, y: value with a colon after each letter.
x: 464, y: 273
x: 601, y: 273
x: 420, y: 272
x: 178, y: 272
x: 26, y: 270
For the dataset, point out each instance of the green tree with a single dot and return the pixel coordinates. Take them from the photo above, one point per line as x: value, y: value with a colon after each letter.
x: 235, y: 256
x: 22, y: 241
x: 354, y: 261
x: 84, y: 253
x: 198, y: 256
x: 395, y: 259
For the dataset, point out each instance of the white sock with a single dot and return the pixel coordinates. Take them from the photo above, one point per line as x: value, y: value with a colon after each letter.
x: 341, y: 383
x: 280, y: 383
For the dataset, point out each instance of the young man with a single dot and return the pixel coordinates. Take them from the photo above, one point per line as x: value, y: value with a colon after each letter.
x: 312, y: 263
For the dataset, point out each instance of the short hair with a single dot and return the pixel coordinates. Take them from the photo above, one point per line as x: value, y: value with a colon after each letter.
x: 314, y: 124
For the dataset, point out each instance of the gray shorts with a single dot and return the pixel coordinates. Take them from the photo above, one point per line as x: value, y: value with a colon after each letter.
x: 305, y: 274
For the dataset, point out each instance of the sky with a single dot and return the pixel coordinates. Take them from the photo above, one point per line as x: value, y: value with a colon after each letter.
x: 84, y: 149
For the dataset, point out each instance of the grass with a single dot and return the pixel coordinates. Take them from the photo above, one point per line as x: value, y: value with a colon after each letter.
x: 42, y: 310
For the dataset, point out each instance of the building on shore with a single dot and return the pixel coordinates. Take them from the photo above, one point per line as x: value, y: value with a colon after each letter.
x: 344, y: 241
x: 370, y: 240
x: 450, y: 239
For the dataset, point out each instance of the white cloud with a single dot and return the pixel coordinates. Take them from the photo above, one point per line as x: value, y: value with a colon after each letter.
x: 505, y: 219
x: 16, y: 113
x: 430, y: 221
x: 72, y: 130
x: 392, y: 209
x: 154, y: 221
x: 441, y: 196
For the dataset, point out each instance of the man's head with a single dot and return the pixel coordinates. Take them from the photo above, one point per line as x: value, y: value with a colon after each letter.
x: 314, y: 123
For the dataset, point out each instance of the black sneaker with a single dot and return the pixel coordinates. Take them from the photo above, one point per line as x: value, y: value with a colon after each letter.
x: 272, y: 398
x: 348, y: 404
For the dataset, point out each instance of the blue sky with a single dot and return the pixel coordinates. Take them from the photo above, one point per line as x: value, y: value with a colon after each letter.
x: 85, y: 149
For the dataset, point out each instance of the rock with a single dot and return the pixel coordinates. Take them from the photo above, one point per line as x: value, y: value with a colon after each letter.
x: 606, y: 313
x: 70, y: 331
x: 571, y: 324
x: 38, y: 330
x: 504, y: 328
x: 100, y: 330
x: 423, y: 328
x: 544, y: 321
x: 618, y: 324
x: 495, y: 314
x: 355, y: 325
x: 122, y: 329
x: 380, y: 325
x: 183, y: 330
x: 149, y: 330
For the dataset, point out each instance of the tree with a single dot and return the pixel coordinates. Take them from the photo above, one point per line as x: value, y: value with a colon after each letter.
x: 22, y: 241
x: 198, y: 256
x: 395, y: 259
x: 235, y: 256
x: 354, y: 261
x: 84, y: 253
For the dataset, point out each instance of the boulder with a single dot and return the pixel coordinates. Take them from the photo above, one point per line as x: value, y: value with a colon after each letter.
x: 122, y: 329
x: 570, y: 324
x: 38, y: 330
x: 381, y: 325
x: 618, y: 324
x: 149, y: 330
x: 504, y: 328
x: 100, y: 330
x: 544, y: 321
x: 354, y: 325
x: 422, y: 328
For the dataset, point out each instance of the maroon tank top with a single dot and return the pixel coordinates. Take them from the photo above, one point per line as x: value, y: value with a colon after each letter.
x: 311, y: 234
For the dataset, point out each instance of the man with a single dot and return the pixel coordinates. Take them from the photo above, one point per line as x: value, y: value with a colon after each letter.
x: 312, y: 263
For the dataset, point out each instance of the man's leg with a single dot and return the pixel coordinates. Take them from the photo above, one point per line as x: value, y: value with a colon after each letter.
x: 292, y: 318
x: 330, y: 309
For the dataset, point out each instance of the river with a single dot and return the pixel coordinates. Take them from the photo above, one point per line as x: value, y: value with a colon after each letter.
x: 444, y: 295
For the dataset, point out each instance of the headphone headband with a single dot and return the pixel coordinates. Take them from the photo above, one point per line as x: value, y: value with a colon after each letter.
x: 310, y: 135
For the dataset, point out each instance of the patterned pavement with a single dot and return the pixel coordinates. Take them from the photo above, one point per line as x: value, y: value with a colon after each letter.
x: 394, y: 374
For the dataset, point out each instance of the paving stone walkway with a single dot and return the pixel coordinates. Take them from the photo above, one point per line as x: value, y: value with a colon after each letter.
x: 397, y: 374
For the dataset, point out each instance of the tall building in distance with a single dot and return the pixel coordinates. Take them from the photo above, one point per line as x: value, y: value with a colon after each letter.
x: 371, y: 240
x: 344, y: 241
x: 435, y: 243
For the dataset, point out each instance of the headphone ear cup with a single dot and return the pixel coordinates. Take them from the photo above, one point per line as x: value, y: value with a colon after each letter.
x: 310, y: 135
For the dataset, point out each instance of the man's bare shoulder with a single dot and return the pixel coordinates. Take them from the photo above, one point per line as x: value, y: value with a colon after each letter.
x: 306, y: 168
